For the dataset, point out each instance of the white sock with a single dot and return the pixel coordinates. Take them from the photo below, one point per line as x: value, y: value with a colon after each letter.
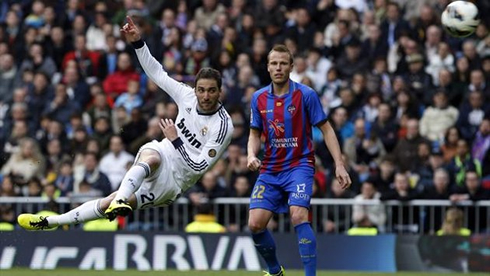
x: 90, y: 210
x: 132, y: 180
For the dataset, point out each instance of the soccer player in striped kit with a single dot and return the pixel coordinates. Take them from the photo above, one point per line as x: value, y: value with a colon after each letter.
x: 284, y: 113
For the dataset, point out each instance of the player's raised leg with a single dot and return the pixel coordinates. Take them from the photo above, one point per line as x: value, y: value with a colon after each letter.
x: 306, y: 238
x: 148, y: 161
x: 90, y: 210
x: 263, y: 241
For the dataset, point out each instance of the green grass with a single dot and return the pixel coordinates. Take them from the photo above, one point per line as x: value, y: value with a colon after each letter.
x: 74, y: 272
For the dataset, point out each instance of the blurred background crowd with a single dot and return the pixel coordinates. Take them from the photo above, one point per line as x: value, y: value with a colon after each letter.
x: 408, y: 102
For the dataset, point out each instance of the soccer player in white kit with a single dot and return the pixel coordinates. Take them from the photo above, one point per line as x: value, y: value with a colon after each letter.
x: 163, y: 170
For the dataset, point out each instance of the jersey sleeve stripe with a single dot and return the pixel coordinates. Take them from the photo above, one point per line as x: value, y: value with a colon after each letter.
x: 194, y: 165
x: 220, y: 127
x: 224, y: 130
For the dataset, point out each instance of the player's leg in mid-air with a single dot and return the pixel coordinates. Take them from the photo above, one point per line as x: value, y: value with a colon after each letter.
x: 119, y: 203
x: 265, y: 200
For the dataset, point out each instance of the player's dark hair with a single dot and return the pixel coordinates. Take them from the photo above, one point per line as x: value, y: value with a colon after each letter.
x: 209, y: 73
x: 281, y: 48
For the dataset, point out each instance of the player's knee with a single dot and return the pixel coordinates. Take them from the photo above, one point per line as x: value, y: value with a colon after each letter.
x: 152, y: 160
x: 299, y: 217
x: 255, y: 226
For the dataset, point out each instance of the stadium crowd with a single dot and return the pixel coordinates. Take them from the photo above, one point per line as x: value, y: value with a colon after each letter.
x: 408, y: 102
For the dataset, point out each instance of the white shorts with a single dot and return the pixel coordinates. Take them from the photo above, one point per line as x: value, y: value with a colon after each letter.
x: 160, y: 189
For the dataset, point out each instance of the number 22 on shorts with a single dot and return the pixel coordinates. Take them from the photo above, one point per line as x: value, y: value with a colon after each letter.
x: 258, y: 191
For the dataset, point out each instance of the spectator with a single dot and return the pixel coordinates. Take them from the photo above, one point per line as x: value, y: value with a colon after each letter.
x: 471, y: 114
x: 204, y: 221
x: 206, y: 15
x: 440, y: 190
x: 87, y: 61
x: 27, y: 163
x: 114, y: 163
x: 440, y: 60
x: 404, y: 218
x: 394, y: 25
x: 117, y: 83
x: 108, y: 58
x: 7, y: 189
x: 405, y: 151
x: 419, y: 81
x: 56, y: 46
x: 99, y: 108
x: 302, y: 30
x: 463, y: 162
x: 61, y: 108
x: 102, y: 132
x: 384, y: 127
x: 318, y: 68
x: 372, y: 215
x: 473, y: 190
x: 241, y: 188
x: 453, y: 223
x: 341, y: 124
x: 76, y: 87
x: 206, y: 190
x: 152, y: 132
x: 450, y: 143
x: 336, y: 219
x: 351, y: 61
x: 91, y: 174
x: 64, y: 181
x: 8, y: 77
x: 364, y: 150
x: 130, y: 99
x: 438, y: 118
x: 481, y: 146
x: 38, y: 61
x: 133, y: 128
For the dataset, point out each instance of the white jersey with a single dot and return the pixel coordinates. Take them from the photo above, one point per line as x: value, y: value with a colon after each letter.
x: 205, y: 137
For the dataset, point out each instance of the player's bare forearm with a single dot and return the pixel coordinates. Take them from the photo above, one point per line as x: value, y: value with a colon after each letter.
x: 334, y: 148
x: 332, y: 143
x: 253, y: 147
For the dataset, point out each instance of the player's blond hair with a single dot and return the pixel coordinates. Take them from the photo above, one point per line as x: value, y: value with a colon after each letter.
x: 281, y: 48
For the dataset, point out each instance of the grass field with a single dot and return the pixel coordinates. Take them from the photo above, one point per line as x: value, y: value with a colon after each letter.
x: 74, y: 272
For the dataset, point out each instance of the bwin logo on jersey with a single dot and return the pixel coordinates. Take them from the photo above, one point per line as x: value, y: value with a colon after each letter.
x: 188, y: 135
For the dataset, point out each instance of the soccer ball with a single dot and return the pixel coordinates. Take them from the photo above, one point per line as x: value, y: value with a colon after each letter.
x: 460, y: 18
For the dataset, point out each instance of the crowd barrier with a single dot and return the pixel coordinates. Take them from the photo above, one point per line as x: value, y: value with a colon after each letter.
x: 411, y: 217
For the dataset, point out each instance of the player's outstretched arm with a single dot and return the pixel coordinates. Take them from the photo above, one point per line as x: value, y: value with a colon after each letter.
x: 151, y: 66
x: 334, y: 148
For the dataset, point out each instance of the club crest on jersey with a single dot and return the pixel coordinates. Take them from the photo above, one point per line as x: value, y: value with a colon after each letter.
x: 276, y: 126
x: 204, y: 131
x: 292, y: 109
x: 191, y: 137
x: 212, y: 153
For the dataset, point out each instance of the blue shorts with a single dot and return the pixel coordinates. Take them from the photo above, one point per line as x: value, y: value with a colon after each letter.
x: 277, y: 191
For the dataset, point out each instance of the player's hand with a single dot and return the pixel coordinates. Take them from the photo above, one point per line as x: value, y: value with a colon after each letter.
x: 130, y: 30
x: 168, y: 128
x: 253, y: 163
x: 343, y: 177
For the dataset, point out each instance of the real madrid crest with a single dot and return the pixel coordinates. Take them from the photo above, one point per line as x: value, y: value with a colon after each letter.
x: 204, y: 131
x: 212, y: 153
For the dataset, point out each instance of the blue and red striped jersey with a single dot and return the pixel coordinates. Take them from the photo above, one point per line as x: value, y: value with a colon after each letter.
x: 286, y: 125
